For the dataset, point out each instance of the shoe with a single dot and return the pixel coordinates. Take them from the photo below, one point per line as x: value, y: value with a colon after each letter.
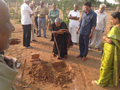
x: 34, y: 40
x: 78, y: 56
x: 64, y: 58
x: 45, y: 37
x: 38, y: 35
x: 54, y: 55
x: 51, y: 40
x: 89, y: 48
x: 29, y: 47
x: 97, y: 49
x: 84, y: 59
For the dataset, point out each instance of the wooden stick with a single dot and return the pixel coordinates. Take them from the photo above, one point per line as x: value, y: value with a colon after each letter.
x: 23, y: 70
x: 56, y: 45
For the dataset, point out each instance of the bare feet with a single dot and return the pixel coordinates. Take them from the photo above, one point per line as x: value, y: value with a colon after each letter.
x: 94, y: 82
x: 84, y: 59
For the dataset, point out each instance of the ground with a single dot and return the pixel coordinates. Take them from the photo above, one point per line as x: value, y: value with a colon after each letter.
x: 83, y: 72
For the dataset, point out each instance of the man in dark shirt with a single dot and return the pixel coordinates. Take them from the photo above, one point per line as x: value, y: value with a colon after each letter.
x: 87, y: 27
x: 62, y: 39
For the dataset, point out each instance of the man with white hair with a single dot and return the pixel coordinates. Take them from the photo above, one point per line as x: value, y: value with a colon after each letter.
x: 26, y: 22
x: 100, y: 27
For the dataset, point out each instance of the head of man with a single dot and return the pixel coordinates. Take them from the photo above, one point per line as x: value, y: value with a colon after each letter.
x: 54, y: 6
x: 26, y: 1
x: 102, y: 8
x: 41, y: 3
x: 87, y: 6
x: 6, y: 28
x: 75, y: 7
x: 33, y: 2
x: 31, y: 5
x: 115, y: 18
x: 57, y: 22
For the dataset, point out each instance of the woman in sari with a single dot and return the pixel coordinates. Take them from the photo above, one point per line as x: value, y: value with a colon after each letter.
x: 110, y: 63
x: 62, y: 39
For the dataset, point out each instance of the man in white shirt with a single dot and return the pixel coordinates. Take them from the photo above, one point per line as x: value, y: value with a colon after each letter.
x: 74, y: 16
x: 100, y: 27
x: 26, y: 22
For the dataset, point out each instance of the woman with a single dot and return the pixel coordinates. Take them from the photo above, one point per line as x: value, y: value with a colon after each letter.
x: 110, y: 63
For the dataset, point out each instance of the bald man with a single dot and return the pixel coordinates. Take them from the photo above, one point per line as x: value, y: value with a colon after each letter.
x: 100, y: 27
x: 74, y: 16
x: 7, y: 64
x: 26, y: 21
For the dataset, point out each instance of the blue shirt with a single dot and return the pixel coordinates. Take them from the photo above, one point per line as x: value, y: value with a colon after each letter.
x: 87, y: 22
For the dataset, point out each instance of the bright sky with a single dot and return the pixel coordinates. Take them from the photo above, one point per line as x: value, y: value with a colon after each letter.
x: 110, y: 1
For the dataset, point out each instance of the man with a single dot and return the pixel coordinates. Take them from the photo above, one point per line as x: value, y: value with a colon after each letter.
x: 53, y: 14
x: 100, y: 27
x: 42, y: 12
x: 87, y: 27
x: 74, y: 16
x: 35, y: 14
x: 26, y: 14
x: 62, y: 39
x: 33, y: 23
x: 7, y: 65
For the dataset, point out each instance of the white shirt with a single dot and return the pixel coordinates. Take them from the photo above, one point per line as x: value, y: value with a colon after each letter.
x: 101, y: 20
x: 74, y: 23
x: 25, y: 14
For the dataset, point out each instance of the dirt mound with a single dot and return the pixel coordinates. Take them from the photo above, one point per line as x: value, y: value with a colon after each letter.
x: 56, y: 72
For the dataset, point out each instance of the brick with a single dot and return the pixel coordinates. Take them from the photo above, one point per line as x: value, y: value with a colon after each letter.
x: 33, y: 60
x: 35, y: 56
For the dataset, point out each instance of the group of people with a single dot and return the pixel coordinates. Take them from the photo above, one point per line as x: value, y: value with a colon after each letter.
x: 91, y: 25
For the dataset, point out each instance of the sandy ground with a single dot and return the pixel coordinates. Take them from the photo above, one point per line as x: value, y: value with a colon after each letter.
x: 84, y: 72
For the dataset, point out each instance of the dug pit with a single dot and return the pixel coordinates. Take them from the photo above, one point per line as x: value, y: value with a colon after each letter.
x: 59, y: 73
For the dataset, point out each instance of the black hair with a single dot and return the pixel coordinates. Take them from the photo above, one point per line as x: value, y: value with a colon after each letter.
x: 88, y: 4
x: 116, y: 15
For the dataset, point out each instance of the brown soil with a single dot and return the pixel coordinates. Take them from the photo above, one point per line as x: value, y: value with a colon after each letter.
x: 55, y: 72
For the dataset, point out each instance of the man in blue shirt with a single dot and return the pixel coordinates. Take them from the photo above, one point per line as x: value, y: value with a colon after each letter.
x: 86, y: 29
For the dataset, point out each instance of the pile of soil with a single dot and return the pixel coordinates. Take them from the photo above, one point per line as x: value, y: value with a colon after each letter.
x: 59, y: 73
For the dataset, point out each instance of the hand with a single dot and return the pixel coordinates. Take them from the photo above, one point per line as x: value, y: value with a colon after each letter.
x: 9, y: 61
x: 15, y: 41
x: 104, y: 37
x: 90, y: 36
x: 77, y: 32
x: 61, y: 32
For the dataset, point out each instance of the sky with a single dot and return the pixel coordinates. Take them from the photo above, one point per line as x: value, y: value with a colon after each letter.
x: 110, y: 1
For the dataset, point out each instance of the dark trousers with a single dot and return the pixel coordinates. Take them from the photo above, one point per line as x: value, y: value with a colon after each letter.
x: 36, y: 21
x: 52, y: 37
x: 2, y: 52
x: 83, y: 45
x: 26, y: 35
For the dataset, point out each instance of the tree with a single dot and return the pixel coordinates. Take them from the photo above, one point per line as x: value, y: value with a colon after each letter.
x: 117, y: 1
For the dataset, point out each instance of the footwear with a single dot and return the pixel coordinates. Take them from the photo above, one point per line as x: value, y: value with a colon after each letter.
x: 51, y: 40
x: 64, y: 58
x: 89, y: 48
x: 45, y: 37
x: 54, y: 55
x: 38, y: 35
x: 97, y: 49
x: 34, y: 40
x: 84, y: 59
x: 78, y: 56
x: 29, y: 47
